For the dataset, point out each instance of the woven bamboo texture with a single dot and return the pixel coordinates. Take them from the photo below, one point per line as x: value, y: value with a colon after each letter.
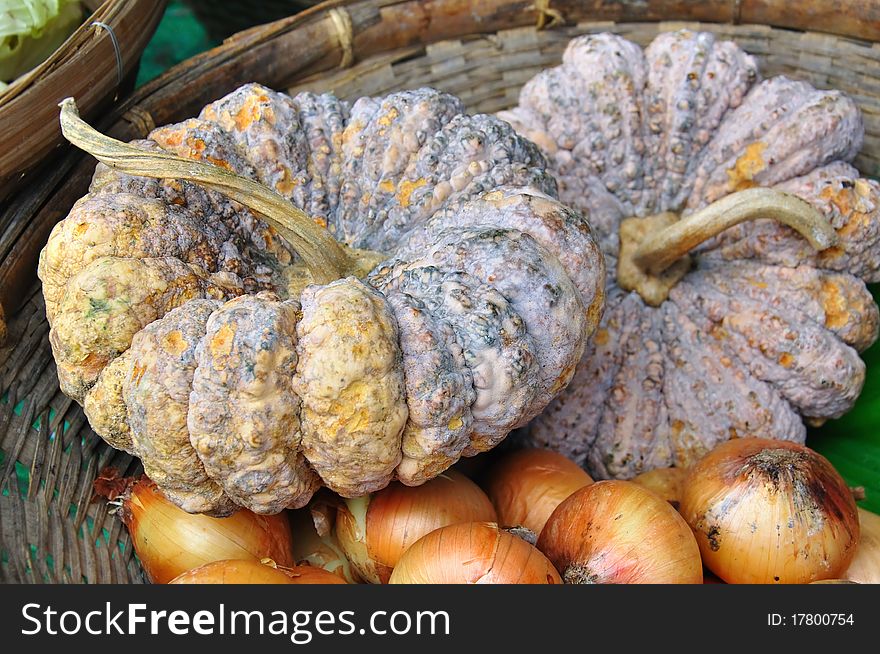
x: 482, y: 51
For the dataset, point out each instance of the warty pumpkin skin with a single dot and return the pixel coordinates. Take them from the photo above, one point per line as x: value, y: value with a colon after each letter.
x: 189, y: 329
x: 756, y: 331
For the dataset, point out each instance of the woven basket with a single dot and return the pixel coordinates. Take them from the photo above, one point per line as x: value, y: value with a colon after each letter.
x: 480, y: 50
x: 96, y: 63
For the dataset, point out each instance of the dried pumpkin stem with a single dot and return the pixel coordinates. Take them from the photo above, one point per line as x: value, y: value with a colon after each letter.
x: 661, y: 249
x: 653, y: 255
x: 325, y: 258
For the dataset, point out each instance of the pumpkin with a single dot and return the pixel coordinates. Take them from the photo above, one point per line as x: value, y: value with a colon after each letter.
x: 738, y: 240
x: 288, y: 293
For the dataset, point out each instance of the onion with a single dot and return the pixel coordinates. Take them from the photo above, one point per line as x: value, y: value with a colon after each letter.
x: 527, y: 485
x: 767, y: 511
x: 319, y: 551
x: 473, y: 553
x: 251, y: 571
x: 616, y: 532
x: 169, y: 541
x: 865, y: 566
x: 666, y: 482
x: 307, y: 574
x: 375, y: 530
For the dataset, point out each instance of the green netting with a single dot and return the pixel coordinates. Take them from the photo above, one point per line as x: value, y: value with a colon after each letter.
x: 179, y: 36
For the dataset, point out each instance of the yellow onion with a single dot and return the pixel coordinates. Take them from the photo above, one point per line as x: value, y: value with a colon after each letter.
x: 251, y: 571
x: 616, y: 532
x: 473, y: 553
x: 865, y: 566
x: 325, y: 552
x: 527, y: 485
x: 767, y: 511
x: 666, y: 482
x: 375, y: 530
x: 169, y: 541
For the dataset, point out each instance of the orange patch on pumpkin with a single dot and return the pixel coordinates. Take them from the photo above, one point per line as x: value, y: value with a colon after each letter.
x: 174, y: 343
x: 831, y: 253
x: 717, y: 332
x: 169, y: 138
x: 406, y: 190
x: 386, y: 120
x: 850, y: 202
x: 834, y: 305
x: 221, y: 342
x: 196, y: 146
x: 749, y: 164
x: 354, y: 128
x: 137, y: 373
x: 219, y: 162
x: 286, y: 184
x: 250, y: 112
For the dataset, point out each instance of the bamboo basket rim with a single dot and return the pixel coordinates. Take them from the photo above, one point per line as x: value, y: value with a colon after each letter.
x: 324, y: 46
x: 108, y: 44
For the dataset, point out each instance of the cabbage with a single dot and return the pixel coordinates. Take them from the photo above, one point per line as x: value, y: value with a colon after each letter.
x: 31, y: 30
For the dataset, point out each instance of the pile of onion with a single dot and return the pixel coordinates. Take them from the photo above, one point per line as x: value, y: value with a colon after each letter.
x: 616, y: 532
x: 169, y: 541
x: 251, y: 571
x: 526, y: 486
x: 375, y: 530
x: 768, y: 511
x: 473, y: 553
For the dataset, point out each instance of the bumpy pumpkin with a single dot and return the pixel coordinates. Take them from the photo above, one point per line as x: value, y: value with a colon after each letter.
x: 248, y: 358
x: 713, y: 329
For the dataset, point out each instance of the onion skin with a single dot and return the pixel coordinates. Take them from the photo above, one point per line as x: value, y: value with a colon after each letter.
x: 169, y: 541
x: 318, y: 551
x: 526, y: 486
x: 666, y: 482
x: 251, y: 571
x: 767, y: 511
x: 473, y: 553
x: 616, y: 532
x: 865, y: 566
x: 374, y: 531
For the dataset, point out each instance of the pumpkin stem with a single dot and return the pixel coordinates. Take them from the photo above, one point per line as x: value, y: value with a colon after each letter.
x: 325, y: 258
x: 663, y: 248
x: 654, y: 250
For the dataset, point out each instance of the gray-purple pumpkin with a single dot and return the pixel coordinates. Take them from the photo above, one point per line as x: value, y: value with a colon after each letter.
x: 247, y: 369
x: 713, y: 329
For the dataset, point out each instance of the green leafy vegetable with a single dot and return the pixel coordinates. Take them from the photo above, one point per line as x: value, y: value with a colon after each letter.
x: 30, y: 30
